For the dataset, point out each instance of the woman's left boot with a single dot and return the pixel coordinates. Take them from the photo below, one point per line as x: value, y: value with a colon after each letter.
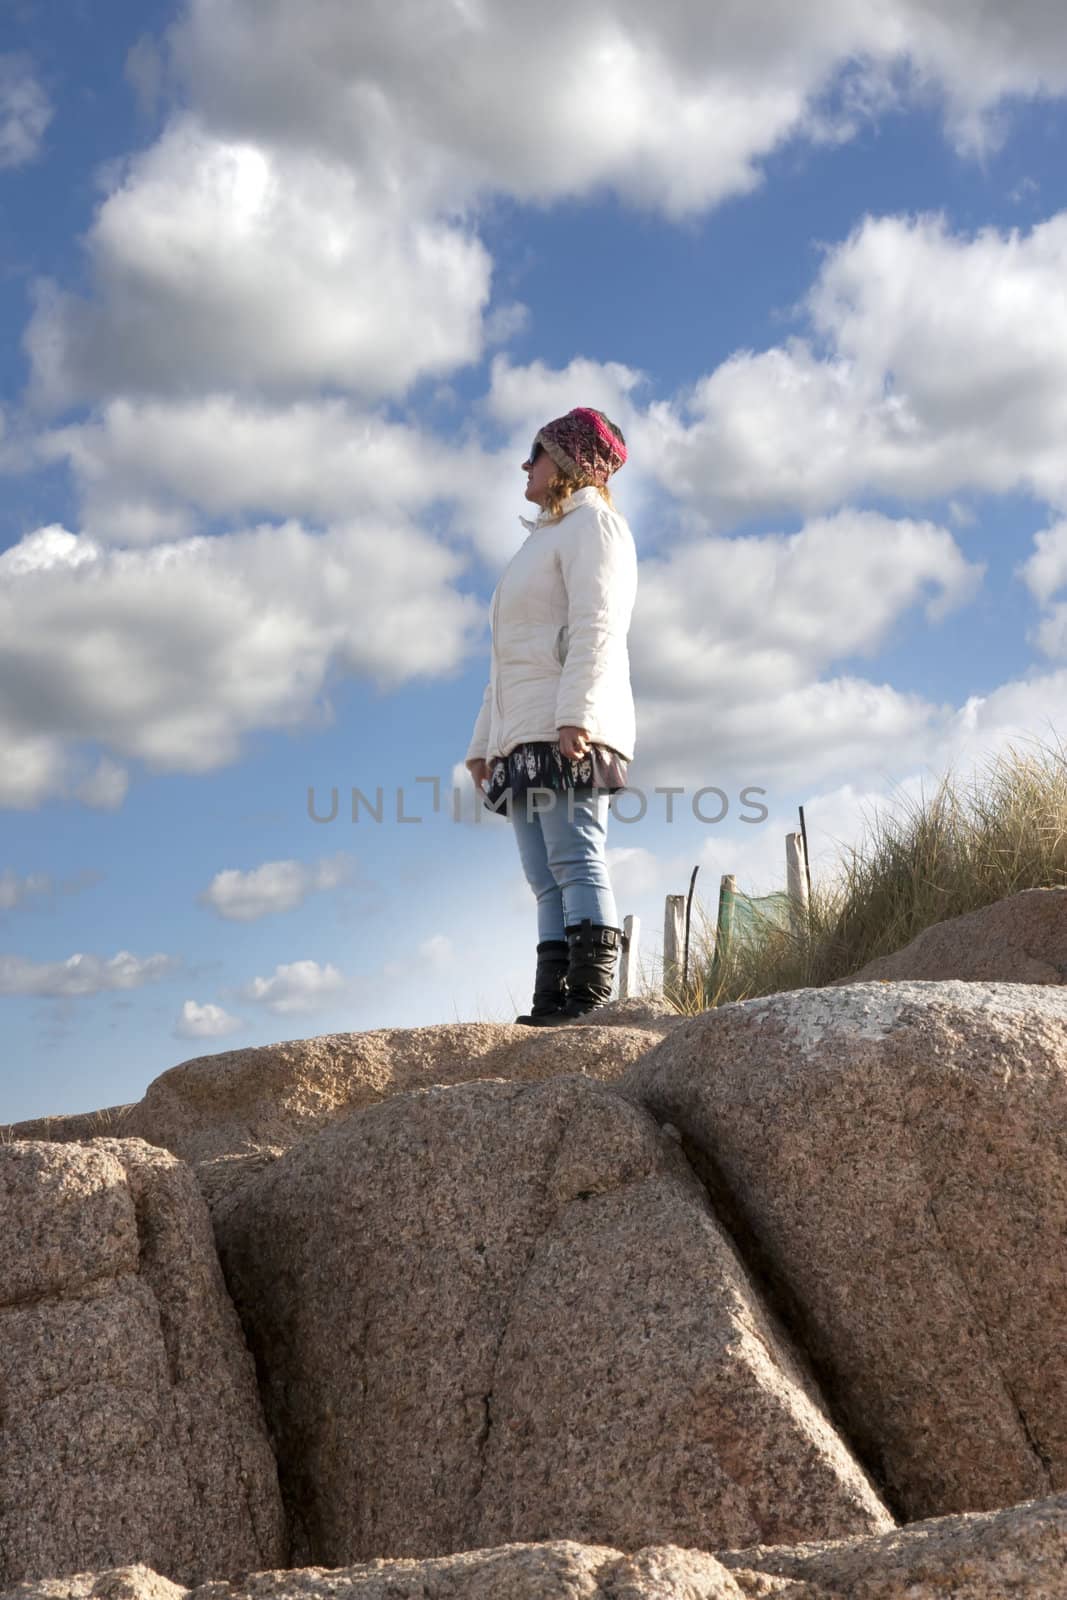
x: 593, y: 949
x: 550, y: 985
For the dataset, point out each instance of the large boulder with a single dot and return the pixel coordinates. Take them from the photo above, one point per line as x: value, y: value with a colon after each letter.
x: 1021, y: 939
x: 891, y: 1158
x: 231, y: 1113
x: 1016, y: 1554
x: 130, y: 1423
x: 559, y: 1570
x: 1019, y: 1553
x: 497, y: 1312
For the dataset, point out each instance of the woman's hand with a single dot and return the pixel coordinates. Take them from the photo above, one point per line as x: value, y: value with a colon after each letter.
x: 573, y: 742
x: 479, y: 771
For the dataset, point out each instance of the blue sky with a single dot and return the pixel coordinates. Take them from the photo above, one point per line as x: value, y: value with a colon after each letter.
x: 287, y: 287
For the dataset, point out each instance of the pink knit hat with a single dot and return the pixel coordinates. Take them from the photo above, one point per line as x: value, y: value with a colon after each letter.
x: 583, y: 443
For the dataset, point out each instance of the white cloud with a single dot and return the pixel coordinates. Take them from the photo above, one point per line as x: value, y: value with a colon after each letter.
x: 140, y: 465
x: 437, y: 954
x: 906, y: 401
x: 14, y: 890
x: 979, y: 55
x: 431, y: 107
x: 522, y: 398
x: 172, y: 655
x: 25, y: 112
x: 1045, y: 575
x: 145, y: 469
x: 205, y: 1022
x: 221, y: 264
x: 674, y: 108
x: 438, y: 951
x: 1045, y: 572
x: 634, y: 870
x: 890, y: 396
x: 900, y: 298
x: 275, y: 886
x: 51, y: 549
x: 1018, y: 713
x: 906, y: 734
x: 723, y: 613
x: 731, y: 640
x: 81, y: 974
x: 104, y: 789
x: 34, y: 766
x: 1050, y: 634
x: 300, y: 986
x: 812, y: 733
x: 902, y: 403
x: 505, y: 322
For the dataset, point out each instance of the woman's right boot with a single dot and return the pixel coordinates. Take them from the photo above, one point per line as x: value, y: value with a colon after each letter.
x: 550, y: 984
x: 594, y: 948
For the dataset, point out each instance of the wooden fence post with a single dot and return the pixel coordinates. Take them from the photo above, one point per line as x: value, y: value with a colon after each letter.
x: 724, y: 922
x: 673, y: 940
x: 631, y: 928
x: 796, y: 878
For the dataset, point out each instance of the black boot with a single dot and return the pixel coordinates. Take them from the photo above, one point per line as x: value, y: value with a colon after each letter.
x: 593, y: 949
x: 550, y: 984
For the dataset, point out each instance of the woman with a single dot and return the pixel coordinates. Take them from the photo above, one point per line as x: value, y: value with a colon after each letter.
x: 556, y: 728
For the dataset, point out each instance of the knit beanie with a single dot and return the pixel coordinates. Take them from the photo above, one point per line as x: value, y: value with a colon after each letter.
x: 584, y: 443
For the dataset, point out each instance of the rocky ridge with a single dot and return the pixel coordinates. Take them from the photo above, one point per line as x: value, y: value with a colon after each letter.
x: 646, y: 1307
x: 1016, y: 1554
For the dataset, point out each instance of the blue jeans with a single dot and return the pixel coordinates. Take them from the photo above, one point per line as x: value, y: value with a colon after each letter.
x: 562, y: 852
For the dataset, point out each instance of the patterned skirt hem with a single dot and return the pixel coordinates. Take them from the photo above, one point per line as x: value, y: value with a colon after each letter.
x: 539, y: 765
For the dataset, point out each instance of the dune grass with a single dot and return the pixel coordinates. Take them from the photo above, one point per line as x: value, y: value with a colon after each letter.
x: 971, y: 842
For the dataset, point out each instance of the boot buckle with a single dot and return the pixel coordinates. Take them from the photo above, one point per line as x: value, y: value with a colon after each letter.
x: 589, y: 935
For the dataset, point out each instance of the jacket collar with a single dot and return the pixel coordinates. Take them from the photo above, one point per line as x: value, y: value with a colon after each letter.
x: 580, y: 497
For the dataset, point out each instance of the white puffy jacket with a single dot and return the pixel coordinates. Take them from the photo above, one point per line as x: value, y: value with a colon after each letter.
x: 560, y: 616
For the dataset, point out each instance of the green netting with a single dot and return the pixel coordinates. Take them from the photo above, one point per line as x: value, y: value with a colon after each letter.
x: 744, y: 917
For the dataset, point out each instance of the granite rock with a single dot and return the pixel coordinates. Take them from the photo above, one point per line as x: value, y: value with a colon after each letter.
x: 231, y: 1113
x: 1015, y: 1554
x: 497, y: 1312
x: 558, y: 1570
x: 131, y: 1423
x: 892, y: 1160
x: 1020, y: 939
x: 1018, y: 1553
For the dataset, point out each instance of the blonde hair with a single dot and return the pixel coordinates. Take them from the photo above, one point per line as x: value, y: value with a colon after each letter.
x: 563, y: 486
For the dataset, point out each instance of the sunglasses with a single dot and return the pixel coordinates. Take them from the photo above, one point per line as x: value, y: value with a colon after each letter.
x: 538, y: 450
